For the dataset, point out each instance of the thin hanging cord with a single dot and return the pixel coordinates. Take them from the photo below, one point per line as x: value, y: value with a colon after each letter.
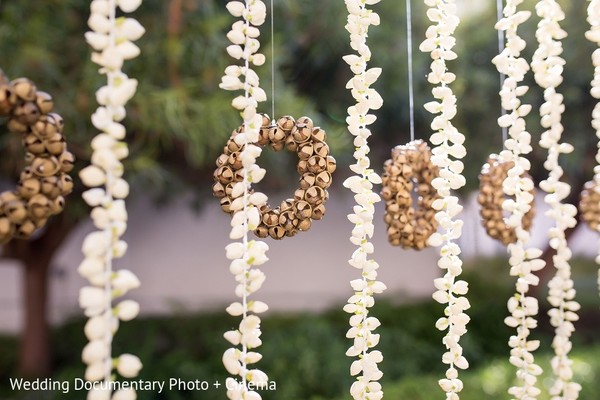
x: 411, y: 90
x: 272, y: 62
x: 500, y: 7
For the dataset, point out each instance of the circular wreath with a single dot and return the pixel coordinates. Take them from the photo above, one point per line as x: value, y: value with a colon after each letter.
x: 315, y: 167
x: 491, y: 197
x: 44, y: 181
x: 409, y: 173
x: 589, y: 205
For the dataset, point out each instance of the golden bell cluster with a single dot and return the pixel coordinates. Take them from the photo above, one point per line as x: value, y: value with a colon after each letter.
x: 589, y: 205
x: 44, y: 181
x: 490, y: 198
x: 315, y: 167
x: 410, y: 172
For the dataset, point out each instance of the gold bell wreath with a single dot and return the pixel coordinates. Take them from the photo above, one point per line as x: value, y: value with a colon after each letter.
x: 589, y: 206
x: 315, y: 167
x: 409, y: 174
x: 44, y: 181
x: 491, y: 197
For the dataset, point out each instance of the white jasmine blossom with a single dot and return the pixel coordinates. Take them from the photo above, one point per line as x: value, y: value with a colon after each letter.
x: 362, y: 326
x: 524, y: 261
x: 547, y: 65
x: 111, y: 39
x: 448, y: 141
x: 246, y: 254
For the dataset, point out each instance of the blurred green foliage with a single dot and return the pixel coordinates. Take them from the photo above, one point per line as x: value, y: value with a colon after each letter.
x: 179, y: 120
x: 304, y: 353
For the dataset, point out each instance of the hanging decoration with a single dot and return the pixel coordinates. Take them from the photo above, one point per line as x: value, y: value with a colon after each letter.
x: 111, y: 38
x: 447, y: 155
x: 524, y: 260
x: 491, y: 199
x: 410, y: 170
x: 590, y: 198
x: 365, y: 368
x: 315, y: 166
x: 44, y: 182
x: 547, y: 66
x: 245, y: 205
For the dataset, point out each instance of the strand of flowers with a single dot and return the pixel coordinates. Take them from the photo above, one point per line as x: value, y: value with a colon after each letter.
x: 365, y: 368
x: 112, y: 41
x: 593, y: 35
x: 246, y: 254
x: 524, y: 261
x: 547, y: 66
x: 449, y: 141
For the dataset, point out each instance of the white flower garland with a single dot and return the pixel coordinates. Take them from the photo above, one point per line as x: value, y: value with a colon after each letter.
x: 112, y: 41
x: 360, y: 18
x: 246, y: 254
x: 593, y: 35
x: 449, y: 141
x: 547, y: 66
x: 524, y: 261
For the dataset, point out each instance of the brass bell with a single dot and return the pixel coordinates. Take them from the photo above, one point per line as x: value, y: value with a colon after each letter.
x: 24, y: 89
x: 51, y: 186
x: 66, y: 161
x: 28, y: 188
x: 25, y: 230
x: 286, y: 123
x: 65, y: 184
x: 39, y: 207
x: 34, y: 144
x: 56, y: 144
x: 45, y: 166
x: 27, y: 113
x: 44, y: 102
x: 15, y: 211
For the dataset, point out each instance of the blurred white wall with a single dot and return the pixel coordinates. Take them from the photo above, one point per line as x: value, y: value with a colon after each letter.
x: 180, y: 259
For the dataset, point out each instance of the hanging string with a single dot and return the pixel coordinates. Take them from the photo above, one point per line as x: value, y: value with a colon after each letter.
x: 411, y: 89
x: 501, y: 38
x: 272, y: 62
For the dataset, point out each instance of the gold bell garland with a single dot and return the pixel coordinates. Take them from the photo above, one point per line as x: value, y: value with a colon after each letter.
x: 409, y: 171
x: 491, y: 198
x: 315, y: 165
x: 44, y: 182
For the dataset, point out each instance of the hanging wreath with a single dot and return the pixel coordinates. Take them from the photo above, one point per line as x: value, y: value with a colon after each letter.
x: 44, y: 182
x: 491, y: 198
x: 409, y: 174
x: 315, y: 167
x: 589, y: 206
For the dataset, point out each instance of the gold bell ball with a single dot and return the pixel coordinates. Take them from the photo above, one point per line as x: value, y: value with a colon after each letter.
x: 589, y: 205
x: 315, y: 167
x: 491, y: 197
x: 407, y: 178
x: 44, y: 182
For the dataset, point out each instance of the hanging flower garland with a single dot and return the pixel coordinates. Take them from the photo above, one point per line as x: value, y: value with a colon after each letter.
x: 593, y: 35
x: 244, y: 253
x: 366, y: 370
x: 524, y: 261
x: 112, y: 41
x: 547, y: 66
x: 449, y: 141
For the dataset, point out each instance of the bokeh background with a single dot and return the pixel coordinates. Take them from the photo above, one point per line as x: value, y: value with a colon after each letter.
x: 178, y: 123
